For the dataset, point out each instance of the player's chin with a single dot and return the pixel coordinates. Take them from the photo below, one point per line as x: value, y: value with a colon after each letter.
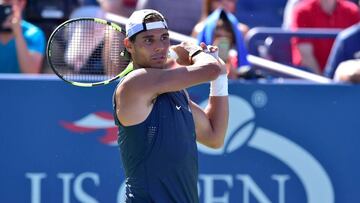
x: 159, y: 66
x: 159, y: 63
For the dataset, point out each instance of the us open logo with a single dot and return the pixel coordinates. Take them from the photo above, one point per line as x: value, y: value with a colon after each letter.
x: 243, y: 133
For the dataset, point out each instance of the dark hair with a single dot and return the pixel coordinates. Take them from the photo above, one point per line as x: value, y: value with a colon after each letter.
x: 152, y: 17
x: 206, y: 8
x: 225, y: 24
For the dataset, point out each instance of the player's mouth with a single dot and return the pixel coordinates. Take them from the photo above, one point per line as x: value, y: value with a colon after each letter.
x: 158, y: 58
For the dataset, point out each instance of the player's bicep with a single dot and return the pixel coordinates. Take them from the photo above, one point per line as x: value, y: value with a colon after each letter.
x: 202, y: 123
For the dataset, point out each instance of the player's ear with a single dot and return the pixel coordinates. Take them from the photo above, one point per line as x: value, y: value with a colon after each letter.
x: 128, y: 45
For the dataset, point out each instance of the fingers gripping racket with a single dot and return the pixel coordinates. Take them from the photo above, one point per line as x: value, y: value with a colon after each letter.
x: 88, y: 52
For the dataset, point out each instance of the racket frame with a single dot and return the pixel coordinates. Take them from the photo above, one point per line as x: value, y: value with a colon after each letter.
x: 116, y: 27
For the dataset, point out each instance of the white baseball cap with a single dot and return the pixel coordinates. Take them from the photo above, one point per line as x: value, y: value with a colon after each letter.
x: 136, y: 23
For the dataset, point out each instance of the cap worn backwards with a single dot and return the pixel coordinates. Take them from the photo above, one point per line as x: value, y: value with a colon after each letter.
x: 136, y: 23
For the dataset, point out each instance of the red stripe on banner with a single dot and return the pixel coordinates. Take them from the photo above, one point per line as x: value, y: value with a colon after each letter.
x: 110, y: 137
x: 74, y: 128
x: 105, y: 115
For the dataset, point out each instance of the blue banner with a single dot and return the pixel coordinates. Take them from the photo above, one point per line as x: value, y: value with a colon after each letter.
x: 286, y: 143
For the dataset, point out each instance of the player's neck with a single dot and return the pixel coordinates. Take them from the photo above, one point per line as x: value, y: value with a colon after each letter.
x: 138, y: 66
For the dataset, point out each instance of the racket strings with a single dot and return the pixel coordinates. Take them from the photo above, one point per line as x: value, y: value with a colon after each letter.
x: 87, y: 51
x: 116, y: 62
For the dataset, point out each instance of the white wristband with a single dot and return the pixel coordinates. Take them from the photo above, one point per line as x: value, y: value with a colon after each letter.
x: 219, y: 86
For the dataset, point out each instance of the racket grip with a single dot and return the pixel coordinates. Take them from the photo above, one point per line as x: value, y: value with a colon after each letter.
x: 172, y: 54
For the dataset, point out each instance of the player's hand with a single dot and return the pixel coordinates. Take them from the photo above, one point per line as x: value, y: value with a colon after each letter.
x: 214, y: 51
x: 182, y: 57
x: 184, y: 51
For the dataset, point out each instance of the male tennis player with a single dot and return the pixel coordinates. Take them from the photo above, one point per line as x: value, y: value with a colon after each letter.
x: 158, y: 123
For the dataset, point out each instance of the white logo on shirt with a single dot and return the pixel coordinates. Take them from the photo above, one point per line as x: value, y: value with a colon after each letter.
x: 178, y: 107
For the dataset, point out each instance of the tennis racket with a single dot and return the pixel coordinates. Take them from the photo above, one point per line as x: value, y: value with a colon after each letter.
x: 88, y: 52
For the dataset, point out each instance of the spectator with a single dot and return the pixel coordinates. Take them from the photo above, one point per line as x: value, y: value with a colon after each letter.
x: 313, y: 53
x: 209, y: 6
x: 81, y: 61
x: 220, y: 29
x: 22, y: 44
x: 346, y: 47
x: 181, y: 15
x: 91, y: 11
x: 289, y: 12
x: 118, y: 7
x: 348, y: 71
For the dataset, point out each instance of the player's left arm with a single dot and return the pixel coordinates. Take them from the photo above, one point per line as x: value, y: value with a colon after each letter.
x: 212, y: 122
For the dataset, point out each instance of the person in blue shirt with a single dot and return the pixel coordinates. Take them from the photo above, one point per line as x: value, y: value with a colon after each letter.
x: 22, y: 45
x: 158, y: 123
x: 221, y: 29
x: 346, y: 47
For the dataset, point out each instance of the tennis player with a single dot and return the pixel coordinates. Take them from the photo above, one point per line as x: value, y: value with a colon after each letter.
x: 158, y: 123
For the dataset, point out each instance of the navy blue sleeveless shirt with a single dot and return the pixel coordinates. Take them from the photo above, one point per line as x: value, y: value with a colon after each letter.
x: 159, y: 155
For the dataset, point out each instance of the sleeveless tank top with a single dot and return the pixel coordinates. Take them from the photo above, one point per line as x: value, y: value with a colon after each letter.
x: 159, y: 155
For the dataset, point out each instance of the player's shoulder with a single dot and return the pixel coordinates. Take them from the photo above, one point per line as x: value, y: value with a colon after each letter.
x: 135, y: 80
x: 124, y: 81
x: 138, y: 75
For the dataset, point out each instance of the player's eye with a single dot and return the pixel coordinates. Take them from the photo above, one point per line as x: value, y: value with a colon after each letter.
x: 165, y: 37
x: 148, y: 40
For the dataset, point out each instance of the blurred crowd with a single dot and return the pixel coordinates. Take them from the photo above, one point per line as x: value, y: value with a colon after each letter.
x: 27, y: 24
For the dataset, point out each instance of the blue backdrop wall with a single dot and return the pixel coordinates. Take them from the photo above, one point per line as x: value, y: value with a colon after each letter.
x: 289, y: 142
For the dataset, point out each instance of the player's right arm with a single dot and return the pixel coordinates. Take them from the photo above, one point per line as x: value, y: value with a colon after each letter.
x: 136, y: 93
